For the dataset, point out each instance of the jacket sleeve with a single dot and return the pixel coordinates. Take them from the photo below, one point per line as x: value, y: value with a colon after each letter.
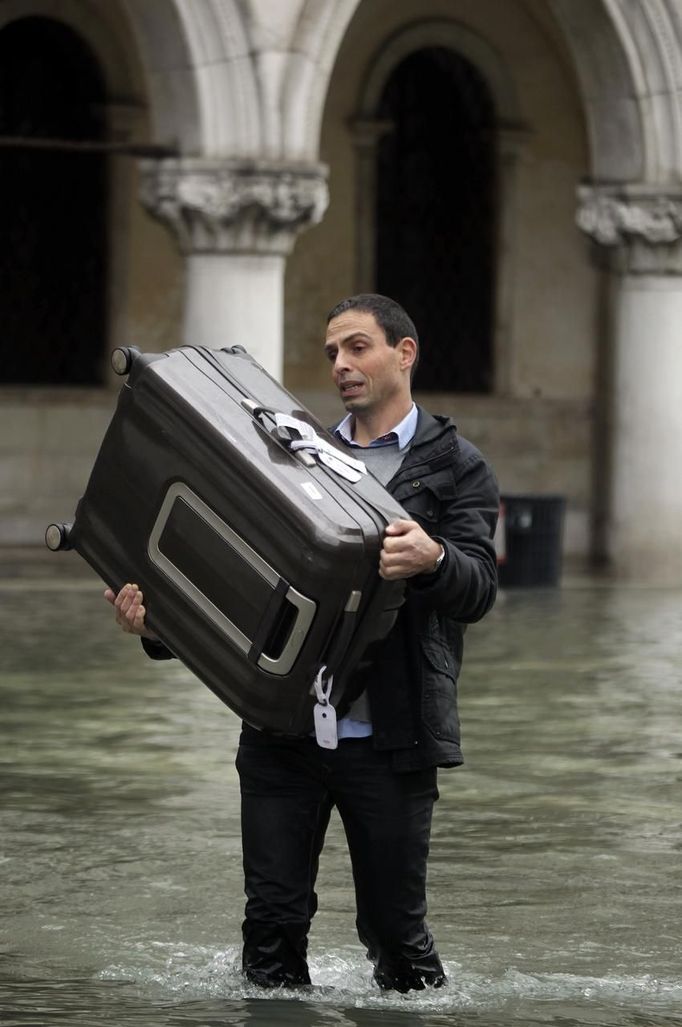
x: 465, y: 585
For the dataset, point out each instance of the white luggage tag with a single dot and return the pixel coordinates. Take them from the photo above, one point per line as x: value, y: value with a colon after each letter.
x: 340, y: 464
x: 305, y: 430
x: 337, y: 461
x: 324, y: 714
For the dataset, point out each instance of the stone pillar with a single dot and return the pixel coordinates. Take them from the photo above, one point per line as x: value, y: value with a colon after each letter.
x: 638, y: 232
x: 236, y: 222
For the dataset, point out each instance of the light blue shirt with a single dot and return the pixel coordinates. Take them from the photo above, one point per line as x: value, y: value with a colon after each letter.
x: 401, y: 436
x: 403, y: 433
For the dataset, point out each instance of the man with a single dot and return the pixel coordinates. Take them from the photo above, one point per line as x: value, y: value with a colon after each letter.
x: 402, y: 723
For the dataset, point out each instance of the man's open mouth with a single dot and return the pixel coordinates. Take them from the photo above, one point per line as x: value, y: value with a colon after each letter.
x: 350, y: 388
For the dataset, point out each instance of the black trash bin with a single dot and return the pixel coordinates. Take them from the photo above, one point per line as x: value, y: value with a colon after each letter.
x: 533, y: 536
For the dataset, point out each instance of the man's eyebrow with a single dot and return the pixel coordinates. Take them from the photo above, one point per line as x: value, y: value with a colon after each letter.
x: 357, y: 334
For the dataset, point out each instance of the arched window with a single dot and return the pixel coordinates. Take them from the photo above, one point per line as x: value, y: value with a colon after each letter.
x: 436, y: 189
x: 53, y: 206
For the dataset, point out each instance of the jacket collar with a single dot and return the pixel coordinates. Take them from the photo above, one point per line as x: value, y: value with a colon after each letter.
x: 431, y: 427
x: 435, y: 432
x: 435, y: 440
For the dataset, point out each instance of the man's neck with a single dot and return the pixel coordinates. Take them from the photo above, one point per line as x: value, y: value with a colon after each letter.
x: 369, y: 425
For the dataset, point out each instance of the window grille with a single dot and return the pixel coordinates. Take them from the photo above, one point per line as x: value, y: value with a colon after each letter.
x: 436, y: 215
x: 53, y: 207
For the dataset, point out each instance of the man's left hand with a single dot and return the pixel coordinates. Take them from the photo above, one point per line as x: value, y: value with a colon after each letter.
x: 407, y: 551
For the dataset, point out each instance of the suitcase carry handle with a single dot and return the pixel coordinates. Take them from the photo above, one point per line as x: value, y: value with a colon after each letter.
x: 257, y: 412
x: 283, y: 631
x: 306, y: 444
x: 281, y: 434
x: 289, y: 614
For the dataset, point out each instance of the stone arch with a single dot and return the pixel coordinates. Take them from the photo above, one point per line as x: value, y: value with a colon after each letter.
x: 319, y: 35
x: 202, y: 88
x: 191, y: 63
x: 452, y: 36
x: 628, y: 59
x: 122, y: 78
x: 629, y: 64
x: 320, y: 30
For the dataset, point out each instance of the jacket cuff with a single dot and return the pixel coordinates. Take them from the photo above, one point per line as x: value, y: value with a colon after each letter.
x: 428, y: 578
x: 156, y: 650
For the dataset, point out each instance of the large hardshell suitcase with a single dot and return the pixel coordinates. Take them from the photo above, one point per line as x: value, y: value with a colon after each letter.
x: 256, y: 552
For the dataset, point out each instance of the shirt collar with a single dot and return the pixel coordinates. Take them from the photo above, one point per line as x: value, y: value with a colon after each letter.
x: 403, y: 433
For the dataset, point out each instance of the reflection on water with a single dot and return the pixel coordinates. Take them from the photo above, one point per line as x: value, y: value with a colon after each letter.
x: 554, y: 890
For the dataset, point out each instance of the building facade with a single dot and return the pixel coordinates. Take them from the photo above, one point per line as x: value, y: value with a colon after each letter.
x: 223, y: 171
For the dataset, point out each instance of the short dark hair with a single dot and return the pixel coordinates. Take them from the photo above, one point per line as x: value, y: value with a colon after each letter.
x: 393, y: 320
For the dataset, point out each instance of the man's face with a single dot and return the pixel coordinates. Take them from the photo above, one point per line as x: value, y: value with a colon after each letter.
x: 366, y: 370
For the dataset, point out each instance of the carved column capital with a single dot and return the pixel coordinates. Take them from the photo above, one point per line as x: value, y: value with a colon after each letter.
x: 220, y: 206
x: 640, y: 227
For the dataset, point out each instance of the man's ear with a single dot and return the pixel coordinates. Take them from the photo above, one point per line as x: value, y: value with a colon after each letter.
x: 408, y: 352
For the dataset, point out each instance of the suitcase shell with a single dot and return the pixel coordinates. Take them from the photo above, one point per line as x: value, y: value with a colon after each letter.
x: 258, y: 565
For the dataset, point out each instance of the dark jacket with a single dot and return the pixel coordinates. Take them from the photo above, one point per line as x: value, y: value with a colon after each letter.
x: 446, y: 486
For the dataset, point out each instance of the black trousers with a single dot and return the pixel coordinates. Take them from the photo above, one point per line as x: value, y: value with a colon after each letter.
x: 289, y: 787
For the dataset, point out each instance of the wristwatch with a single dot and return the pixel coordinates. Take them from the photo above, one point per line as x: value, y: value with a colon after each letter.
x: 439, y: 560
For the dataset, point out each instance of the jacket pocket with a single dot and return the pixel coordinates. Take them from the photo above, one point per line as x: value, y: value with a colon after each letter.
x: 422, y: 497
x: 439, y: 691
x: 422, y: 503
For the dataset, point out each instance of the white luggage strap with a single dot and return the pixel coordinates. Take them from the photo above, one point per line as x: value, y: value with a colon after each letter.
x: 338, y: 462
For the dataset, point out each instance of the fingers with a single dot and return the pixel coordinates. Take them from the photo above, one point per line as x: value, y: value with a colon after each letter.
x: 394, y: 562
x: 130, y: 610
x: 392, y: 566
x: 136, y: 616
x: 407, y: 550
x: 127, y: 598
x: 400, y: 527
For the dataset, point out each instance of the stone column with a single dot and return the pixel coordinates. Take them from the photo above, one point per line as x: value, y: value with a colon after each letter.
x: 236, y: 222
x: 638, y: 232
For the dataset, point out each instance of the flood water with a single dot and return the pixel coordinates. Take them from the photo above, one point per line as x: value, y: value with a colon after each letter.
x: 555, y: 883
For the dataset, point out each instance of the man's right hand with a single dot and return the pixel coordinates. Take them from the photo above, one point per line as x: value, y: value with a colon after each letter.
x: 130, y: 611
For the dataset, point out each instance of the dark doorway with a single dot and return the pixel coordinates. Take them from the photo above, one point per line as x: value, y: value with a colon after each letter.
x: 436, y: 215
x: 53, y: 207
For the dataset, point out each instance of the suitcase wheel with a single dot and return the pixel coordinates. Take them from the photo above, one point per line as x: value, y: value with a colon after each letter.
x: 58, y: 537
x: 122, y: 359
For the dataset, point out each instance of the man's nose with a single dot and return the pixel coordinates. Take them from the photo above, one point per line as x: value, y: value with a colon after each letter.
x: 341, y: 363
